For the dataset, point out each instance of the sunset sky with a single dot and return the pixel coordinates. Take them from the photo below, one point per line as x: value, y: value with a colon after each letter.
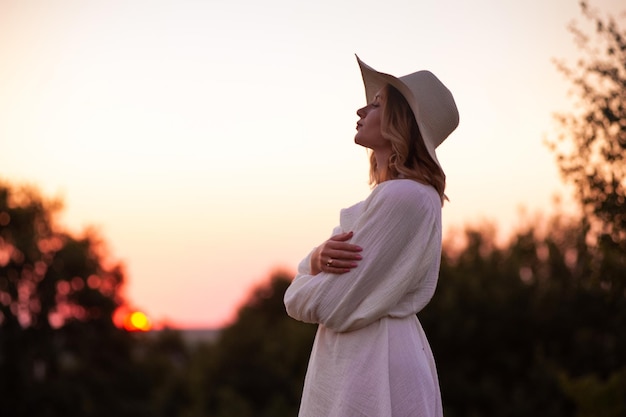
x: 211, y: 142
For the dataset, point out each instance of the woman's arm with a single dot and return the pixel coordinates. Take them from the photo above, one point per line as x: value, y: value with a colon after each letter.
x: 399, y: 232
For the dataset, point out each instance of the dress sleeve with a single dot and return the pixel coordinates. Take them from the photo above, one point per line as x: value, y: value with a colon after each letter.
x: 400, y: 233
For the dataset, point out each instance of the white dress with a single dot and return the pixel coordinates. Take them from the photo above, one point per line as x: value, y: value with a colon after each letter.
x: 370, y: 356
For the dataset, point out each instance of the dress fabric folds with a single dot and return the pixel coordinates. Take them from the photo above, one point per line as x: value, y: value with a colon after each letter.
x: 371, y: 357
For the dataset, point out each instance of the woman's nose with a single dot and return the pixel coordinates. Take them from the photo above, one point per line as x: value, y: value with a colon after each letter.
x: 361, y: 112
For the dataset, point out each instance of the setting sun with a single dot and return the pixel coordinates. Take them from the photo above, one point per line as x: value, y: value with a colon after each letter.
x: 137, y: 321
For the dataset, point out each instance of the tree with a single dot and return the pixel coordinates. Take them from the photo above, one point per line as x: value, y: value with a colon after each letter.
x: 590, y: 155
x: 484, y: 325
x: 590, y: 148
x: 60, y: 353
x: 517, y: 331
x: 257, y: 365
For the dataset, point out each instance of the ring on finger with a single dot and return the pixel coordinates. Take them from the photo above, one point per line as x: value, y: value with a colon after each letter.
x: 330, y: 262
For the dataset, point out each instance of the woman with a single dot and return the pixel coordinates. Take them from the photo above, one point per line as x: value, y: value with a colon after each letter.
x: 366, y: 283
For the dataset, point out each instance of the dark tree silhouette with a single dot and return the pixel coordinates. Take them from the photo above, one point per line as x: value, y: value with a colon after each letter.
x: 591, y: 146
x: 590, y: 151
x: 60, y: 353
x: 257, y: 365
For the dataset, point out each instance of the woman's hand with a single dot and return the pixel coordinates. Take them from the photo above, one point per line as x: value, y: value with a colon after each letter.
x: 336, y: 255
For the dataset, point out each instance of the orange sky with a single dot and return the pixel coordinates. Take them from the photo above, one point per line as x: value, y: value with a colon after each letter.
x: 212, y: 142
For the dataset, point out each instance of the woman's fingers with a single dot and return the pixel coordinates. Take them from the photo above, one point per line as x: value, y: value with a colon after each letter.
x: 348, y: 254
x: 341, y: 263
x: 336, y: 255
x: 338, y: 247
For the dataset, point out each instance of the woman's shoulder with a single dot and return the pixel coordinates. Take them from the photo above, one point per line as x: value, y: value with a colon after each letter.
x: 407, y: 190
x: 406, y: 199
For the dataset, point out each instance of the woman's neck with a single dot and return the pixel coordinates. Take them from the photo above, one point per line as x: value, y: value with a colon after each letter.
x: 382, y: 163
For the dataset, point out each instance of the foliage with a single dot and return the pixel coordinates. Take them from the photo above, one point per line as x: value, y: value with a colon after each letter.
x: 515, y: 328
x: 164, y: 361
x: 259, y: 362
x: 483, y: 333
x: 60, y: 353
x: 590, y: 148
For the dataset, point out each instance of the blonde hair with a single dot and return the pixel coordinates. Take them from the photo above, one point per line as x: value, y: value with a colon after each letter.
x: 409, y: 157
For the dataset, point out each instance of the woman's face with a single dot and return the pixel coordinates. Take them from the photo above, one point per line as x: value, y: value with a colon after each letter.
x: 368, y: 127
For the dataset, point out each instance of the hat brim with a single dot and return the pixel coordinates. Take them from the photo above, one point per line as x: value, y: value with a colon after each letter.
x: 375, y: 80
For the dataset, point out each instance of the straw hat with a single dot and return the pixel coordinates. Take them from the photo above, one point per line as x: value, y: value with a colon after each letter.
x: 431, y: 101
